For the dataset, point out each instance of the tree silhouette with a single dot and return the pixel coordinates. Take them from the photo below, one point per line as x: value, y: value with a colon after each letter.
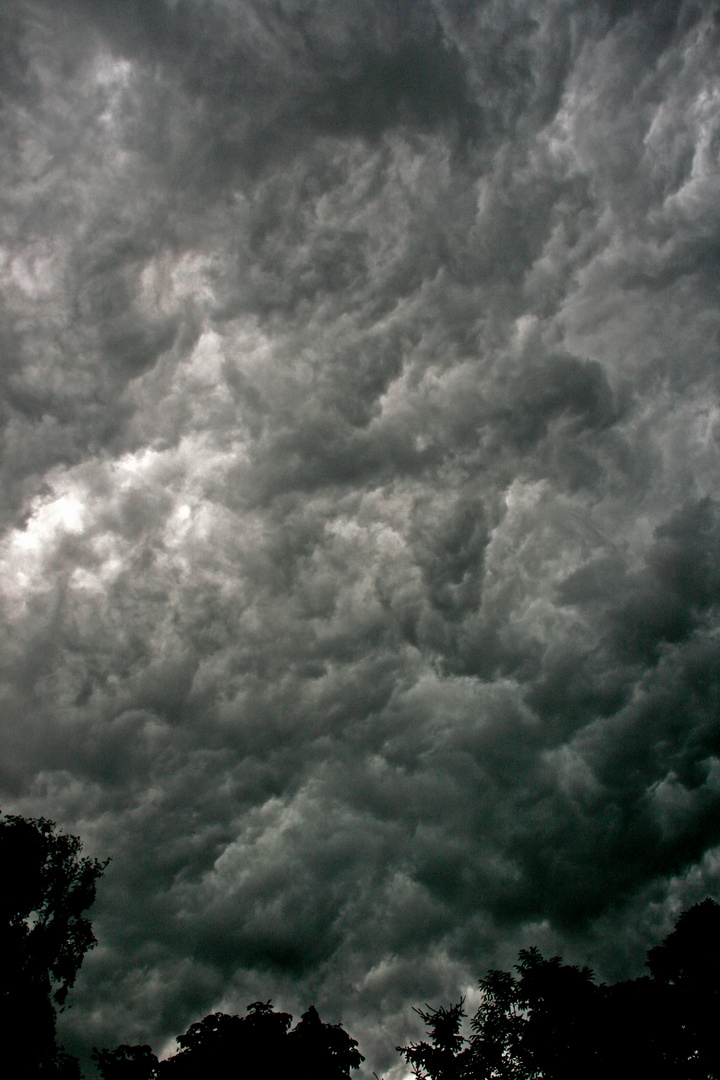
x: 258, y: 1046
x: 560, y: 1002
x: 208, y: 1048
x: 322, y: 1051
x: 541, y: 1024
x: 636, y: 1020
x: 126, y: 1063
x: 44, y: 935
x: 685, y: 967
x: 551, y: 1021
x: 221, y: 1045
x: 445, y: 1056
x: 496, y: 1048
x: 265, y: 1043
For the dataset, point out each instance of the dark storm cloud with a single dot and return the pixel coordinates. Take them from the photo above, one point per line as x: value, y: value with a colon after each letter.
x: 360, y: 479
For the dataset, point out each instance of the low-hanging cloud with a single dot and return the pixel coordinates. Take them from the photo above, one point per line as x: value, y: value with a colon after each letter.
x: 361, y: 506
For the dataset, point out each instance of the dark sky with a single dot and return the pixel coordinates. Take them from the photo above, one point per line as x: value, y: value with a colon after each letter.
x: 360, y: 502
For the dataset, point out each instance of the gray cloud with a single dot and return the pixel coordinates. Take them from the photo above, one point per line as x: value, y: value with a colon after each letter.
x: 360, y: 490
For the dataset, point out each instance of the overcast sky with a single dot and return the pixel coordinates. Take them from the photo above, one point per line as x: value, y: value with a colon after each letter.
x: 360, y: 476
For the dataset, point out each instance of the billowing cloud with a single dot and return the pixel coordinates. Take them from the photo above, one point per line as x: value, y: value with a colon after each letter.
x: 360, y: 540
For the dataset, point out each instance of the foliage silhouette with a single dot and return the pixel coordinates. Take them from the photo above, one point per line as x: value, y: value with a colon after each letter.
x: 126, y: 1063
x: 497, y: 1026
x: 445, y: 1056
x: 560, y: 1003
x: 258, y: 1046
x: 44, y: 935
x: 685, y: 966
x: 551, y: 1021
x: 222, y: 1044
x: 322, y: 1051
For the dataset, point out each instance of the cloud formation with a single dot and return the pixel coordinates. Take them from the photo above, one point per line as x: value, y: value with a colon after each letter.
x: 361, y: 503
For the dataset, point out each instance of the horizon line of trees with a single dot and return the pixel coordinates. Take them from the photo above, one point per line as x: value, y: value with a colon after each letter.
x: 545, y: 1021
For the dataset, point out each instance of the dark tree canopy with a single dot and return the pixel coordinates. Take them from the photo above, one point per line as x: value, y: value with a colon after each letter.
x: 322, y: 1051
x: 444, y: 1057
x: 127, y: 1063
x: 223, y: 1045
x: 550, y: 1021
x: 685, y: 970
x: 44, y: 934
x: 258, y: 1046
x: 690, y: 955
x: 560, y: 1005
x: 497, y: 1028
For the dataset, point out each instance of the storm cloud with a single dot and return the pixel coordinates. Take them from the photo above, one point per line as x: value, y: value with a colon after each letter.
x: 360, y: 474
